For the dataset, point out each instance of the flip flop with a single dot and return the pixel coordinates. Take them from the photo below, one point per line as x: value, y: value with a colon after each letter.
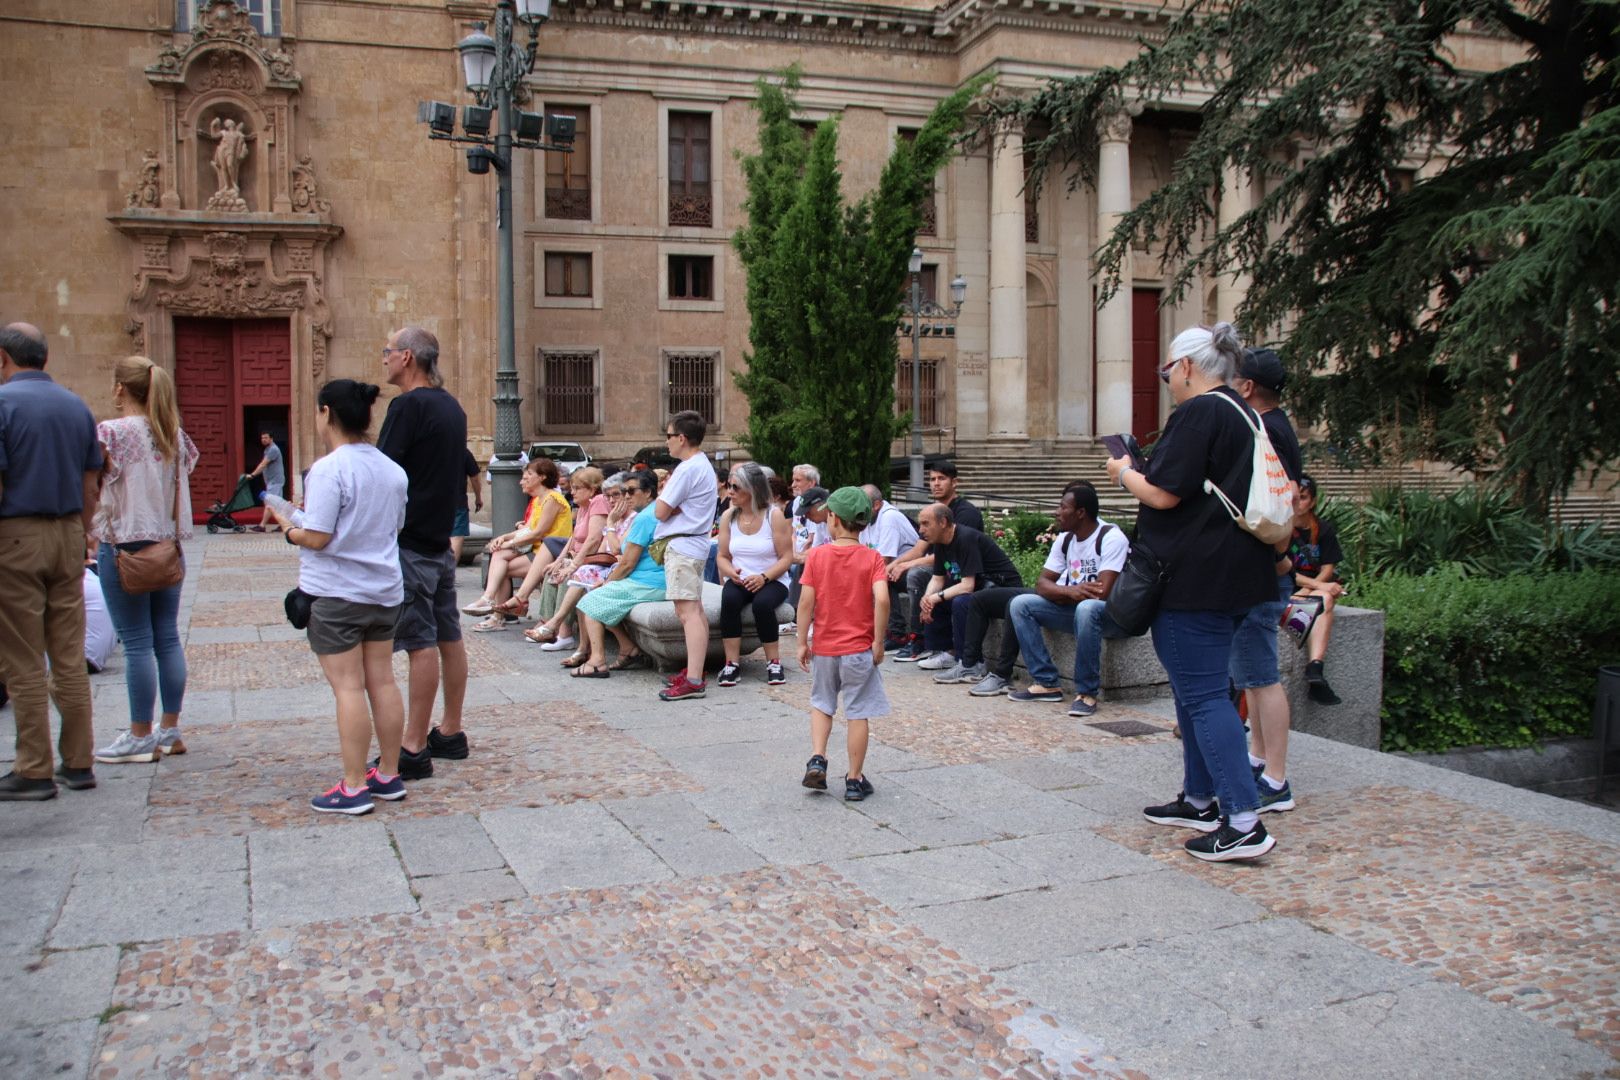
x: 593, y: 673
x: 633, y: 662
x: 577, y: 661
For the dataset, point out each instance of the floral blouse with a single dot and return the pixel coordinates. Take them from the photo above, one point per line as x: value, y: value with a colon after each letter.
x: 137, y: 499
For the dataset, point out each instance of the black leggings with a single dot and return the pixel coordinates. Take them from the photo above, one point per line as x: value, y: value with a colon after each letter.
x: 733, y: 598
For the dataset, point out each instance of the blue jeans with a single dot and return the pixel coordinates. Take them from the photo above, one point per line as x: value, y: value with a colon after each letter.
x: 148, y: 627
x: 1195, y: 648
x: 711, y: 566
x: 1254, y: 650
x: 1088, y: 621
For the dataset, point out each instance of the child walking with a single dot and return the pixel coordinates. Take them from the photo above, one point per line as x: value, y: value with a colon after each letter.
x: 843, y: 610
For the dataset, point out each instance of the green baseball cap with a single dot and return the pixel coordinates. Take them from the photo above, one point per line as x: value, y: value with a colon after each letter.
x: 850, y: 504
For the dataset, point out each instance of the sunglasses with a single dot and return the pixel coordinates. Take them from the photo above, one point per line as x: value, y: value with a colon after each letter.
x: 1166, y: 369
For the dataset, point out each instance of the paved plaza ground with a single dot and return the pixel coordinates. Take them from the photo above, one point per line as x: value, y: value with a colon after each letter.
x: 615, y: 886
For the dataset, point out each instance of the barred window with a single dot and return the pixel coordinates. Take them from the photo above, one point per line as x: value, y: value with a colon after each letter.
x: 932, y: 392
x: 568, y: 390
x: 691, y: 381
x: 568, y: 273
x: 568, y: 176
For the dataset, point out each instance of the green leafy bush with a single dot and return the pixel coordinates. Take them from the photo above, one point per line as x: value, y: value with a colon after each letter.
x: 1471, y: 660
x: 1021, y: 530
x: 1029, y: 562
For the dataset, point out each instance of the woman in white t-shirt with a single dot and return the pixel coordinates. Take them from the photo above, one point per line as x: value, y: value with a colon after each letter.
x: 145, y: 499
x: 756, y: 551
x: 354, y: 507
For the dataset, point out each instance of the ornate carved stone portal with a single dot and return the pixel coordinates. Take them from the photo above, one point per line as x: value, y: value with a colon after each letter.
x: 223, y: 218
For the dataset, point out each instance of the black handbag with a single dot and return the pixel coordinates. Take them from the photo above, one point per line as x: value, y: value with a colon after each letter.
x: 297, y: 605
x: 1134, y: 599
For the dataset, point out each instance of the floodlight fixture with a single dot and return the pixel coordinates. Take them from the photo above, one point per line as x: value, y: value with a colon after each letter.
x: 476, y: 119
x: 529, y: 127
x: 560, y: 128
x: 437, y: 115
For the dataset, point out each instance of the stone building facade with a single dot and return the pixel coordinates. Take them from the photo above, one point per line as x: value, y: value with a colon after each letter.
x: 244, y: 195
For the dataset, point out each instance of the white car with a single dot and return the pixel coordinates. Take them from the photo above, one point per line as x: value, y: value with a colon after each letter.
x: 568, y: 455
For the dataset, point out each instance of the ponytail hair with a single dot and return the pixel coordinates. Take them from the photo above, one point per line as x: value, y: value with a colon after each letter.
x: 1214, y: 350
x: 152, y: 387
x: 349, y: 403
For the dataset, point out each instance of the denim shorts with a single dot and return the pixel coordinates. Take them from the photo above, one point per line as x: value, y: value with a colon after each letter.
x: 462, y: 526
x: 856, y: 678
x: 1254, y: 646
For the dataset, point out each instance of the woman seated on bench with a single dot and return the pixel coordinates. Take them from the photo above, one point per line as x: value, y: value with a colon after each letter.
x: 635, y: 579
x: 538, y: 538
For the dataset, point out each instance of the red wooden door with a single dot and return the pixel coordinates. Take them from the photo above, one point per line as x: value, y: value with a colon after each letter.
x: 1145, y: 361
x: 222, y: 367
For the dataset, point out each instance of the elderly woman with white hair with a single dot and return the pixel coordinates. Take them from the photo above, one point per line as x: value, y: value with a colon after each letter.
x: 1217, y: 572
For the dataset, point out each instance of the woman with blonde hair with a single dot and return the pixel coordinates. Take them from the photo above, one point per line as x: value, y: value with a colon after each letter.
x: 145, y: 499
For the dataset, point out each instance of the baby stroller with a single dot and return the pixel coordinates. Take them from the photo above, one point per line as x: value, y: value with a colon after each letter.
x: 219, y: 515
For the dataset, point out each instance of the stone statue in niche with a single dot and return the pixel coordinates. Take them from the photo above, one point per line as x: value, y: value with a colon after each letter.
x: 232, y: 150
x: 146, y: 192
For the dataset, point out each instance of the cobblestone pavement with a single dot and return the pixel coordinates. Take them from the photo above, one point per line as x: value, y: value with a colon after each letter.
x: 611, y: 886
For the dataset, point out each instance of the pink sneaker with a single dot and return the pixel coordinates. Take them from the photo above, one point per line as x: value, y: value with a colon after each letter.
x: 682, y: 688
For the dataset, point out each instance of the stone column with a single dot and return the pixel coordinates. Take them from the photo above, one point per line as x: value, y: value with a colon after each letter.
x: 1237, y: 199
x: 969, y: 187
x: 1076, y: 217
x: 1009, y: 328
x: 1114, y: 317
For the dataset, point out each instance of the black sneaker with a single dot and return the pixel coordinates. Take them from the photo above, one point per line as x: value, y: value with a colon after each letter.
x: 856, y: 790
x: 76, y: 779
x: 14, y: 788
x: 729, y: 674
x: 1183, y: 813
x: 418, y: 766
x: 1226, y: 844
x: 815, y: 773
x: 449, y: 747
x: 774, y: 675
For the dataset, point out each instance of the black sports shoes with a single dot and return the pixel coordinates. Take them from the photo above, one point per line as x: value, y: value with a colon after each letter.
x: 1227, y: 844
x: 856, y: 788
x: 815, y: 773
x: 1183, y: 813
x: 418, y: 766
x: 449, y: 747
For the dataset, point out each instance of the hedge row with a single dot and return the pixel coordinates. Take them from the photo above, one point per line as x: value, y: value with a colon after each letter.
x: 1481, y: 661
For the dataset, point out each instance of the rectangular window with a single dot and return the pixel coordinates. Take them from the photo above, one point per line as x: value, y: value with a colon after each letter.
x: 691, y: 201
x: 928, y: 279
x: 568, y: 273
x: 568, y: 176
x: 929, y: 206
x: 691, y: 277
x: 265, y: 15
x: 568, y: 390
x: 932, y: 392
x: 690, y: 382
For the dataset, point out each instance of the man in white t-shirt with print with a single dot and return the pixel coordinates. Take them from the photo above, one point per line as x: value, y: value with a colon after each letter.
x: 891, y: 535
x: 685, y: 512
x: 1071, y: 597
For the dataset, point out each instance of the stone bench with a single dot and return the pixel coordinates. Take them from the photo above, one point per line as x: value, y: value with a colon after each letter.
x: 1355, y: 669
x: 657, y: 631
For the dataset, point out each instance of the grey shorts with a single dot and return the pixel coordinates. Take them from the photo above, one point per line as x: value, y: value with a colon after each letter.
x: 429, y: 614
x: 336, y: 626
x: 856, y: 678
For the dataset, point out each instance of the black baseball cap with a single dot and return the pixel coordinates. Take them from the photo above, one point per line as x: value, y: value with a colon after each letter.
x: 812, y: 498
x: 1264, y: 367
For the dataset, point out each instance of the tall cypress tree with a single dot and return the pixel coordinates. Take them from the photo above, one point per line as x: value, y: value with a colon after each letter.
x: 824, y: 288
x: 1472, y: 315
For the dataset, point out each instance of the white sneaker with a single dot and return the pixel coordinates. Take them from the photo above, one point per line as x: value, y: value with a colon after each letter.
x: 938, y: 662
x: 786, y: 628
x: 559, y: 645
x: 127, y: 749
x: 169, y: 740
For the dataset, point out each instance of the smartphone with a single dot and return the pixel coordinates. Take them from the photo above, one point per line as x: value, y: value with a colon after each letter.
x: 1125, y: 446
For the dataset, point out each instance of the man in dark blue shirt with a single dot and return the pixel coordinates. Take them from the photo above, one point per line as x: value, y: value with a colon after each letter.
x: 50, y: 463
x: 425, y: 432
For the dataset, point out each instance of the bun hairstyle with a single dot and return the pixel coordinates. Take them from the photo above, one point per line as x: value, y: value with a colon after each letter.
x: 152, y: 387
x: 1214, y: 350
x: 349, y: 403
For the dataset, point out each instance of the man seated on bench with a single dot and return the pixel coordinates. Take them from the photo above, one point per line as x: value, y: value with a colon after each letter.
x: 965, y: 561
x: 1070, y: 597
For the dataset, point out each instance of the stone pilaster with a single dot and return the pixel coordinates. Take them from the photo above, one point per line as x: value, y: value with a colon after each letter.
x: 1009, y: 328
x: 1114, y: 318
x: 1237, y: 199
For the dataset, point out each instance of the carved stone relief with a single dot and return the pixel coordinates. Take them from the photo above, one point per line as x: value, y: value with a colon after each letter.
x: 146, y: 191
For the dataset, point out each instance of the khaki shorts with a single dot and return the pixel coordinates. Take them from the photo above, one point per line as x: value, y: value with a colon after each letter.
x: 683, y: 576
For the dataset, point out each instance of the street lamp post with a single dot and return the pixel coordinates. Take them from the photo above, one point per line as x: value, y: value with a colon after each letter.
x: 495, y: 68
x: 941, y: 322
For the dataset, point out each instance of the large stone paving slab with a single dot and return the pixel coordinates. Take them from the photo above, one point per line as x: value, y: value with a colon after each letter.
x: 769, y: 973
x: 262, y: 773
x: 1519, y: 914
x: 273, y: 665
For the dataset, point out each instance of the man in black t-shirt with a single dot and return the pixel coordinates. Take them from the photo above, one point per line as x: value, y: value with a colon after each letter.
x: 916, y: 566
x: 965, y: 560
x: 425, y: 433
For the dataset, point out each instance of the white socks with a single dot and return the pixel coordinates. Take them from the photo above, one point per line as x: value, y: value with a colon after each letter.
x: 1274, y: 784
x: 1256, y: 763
x: 1245, y: 821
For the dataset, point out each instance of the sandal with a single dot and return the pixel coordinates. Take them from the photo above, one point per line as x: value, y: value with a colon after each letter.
x: 514, y: 606
x: 479, y: 606
x: 492, y: 625
x: 577, y: 660
x: 589, y: 672
x: 633, y: 662
x: 540, y: 633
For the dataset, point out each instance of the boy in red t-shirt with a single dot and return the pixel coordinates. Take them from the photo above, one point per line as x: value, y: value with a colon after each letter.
x: 843, y: 609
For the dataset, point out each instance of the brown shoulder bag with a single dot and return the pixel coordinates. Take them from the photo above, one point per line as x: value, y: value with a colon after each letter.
x: 157, y: 565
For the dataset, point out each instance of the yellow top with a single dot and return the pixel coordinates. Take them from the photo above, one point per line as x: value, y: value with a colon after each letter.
x: 562, y: 525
